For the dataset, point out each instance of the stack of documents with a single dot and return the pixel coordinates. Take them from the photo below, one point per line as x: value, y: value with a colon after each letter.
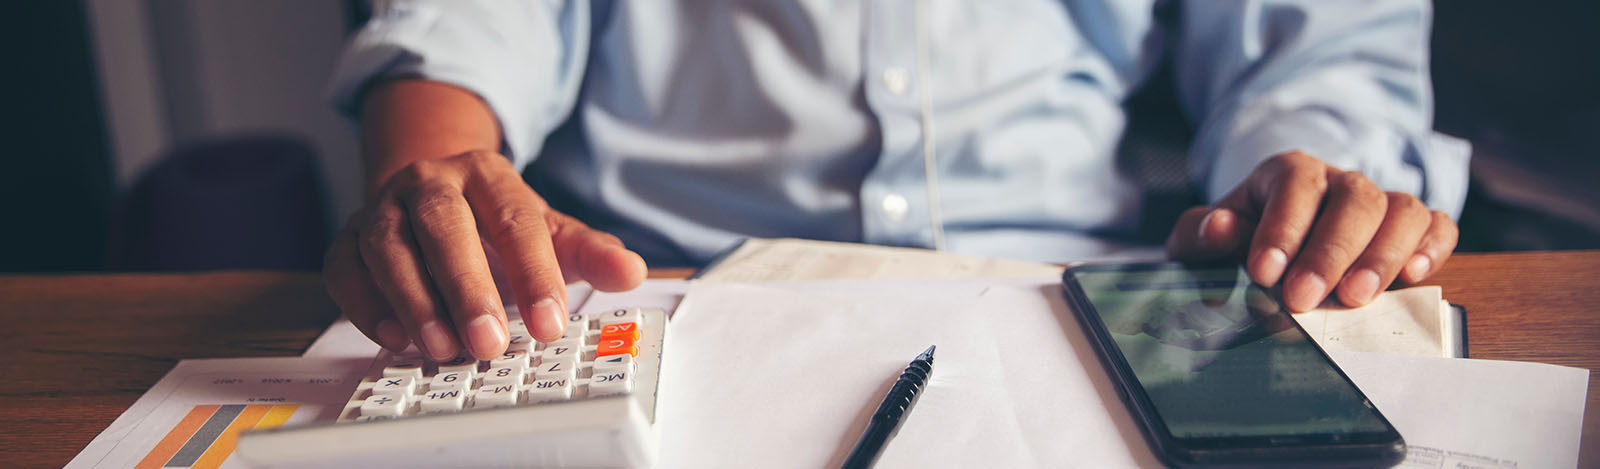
x: 1018, y: 385
x: 767, y: 366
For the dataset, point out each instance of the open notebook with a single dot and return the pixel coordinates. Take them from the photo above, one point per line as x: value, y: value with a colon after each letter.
x: 1410, y: 321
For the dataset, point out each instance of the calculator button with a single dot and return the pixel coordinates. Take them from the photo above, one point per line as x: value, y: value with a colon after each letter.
x: 621, y: 361
x: 546, y: 390
x: 575, y: 334
x: 520, y: 340
x: 504, y: 375
x: 621, y: 330
x: 399, y: 385
x: 404, y: 368
x: 384, y: 405
x: 619, y: 316
x: 609, y: 347
x: 610, y: 382
x: 443, y: 401
x: 557, y: 369
x: 561, y: 350
x: 577, y: 321
x: 512, y: 358
x: 456, y: 380
x: 497, y: 395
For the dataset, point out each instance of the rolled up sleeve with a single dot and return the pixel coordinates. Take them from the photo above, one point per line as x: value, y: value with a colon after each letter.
x: 1344, y: 81
x: 524, y: 58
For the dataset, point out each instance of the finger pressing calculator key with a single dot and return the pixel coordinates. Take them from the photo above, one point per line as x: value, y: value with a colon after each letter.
x: 601, y: 375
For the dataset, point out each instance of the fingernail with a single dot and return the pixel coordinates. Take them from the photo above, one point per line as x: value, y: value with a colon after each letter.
x: 1305, y: 291
x: 392, y: 336
x: 1361, y: 286
x: 437, y: 339
x: 1418, y: 267
x: 549, y: 320
x: 1270, y: 264
x: 487, y: 336
x: 1205, y: 225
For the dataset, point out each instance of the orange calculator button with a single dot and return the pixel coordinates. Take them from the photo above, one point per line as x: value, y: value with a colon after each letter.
x: 622, y: 330
x: 616, y: 347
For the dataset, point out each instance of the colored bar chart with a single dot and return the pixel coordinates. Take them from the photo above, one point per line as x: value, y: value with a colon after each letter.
x: 206, y: 436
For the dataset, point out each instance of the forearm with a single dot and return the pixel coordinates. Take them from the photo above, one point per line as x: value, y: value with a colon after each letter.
x: 409, y: 120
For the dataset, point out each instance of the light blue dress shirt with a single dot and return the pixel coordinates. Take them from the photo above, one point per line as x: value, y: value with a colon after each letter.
x: 979, y: 126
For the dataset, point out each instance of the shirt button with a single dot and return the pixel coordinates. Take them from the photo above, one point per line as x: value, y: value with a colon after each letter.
x: 894, y: 207
x: 896, y: 80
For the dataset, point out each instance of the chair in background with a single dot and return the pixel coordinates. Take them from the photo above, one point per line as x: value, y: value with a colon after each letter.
x: 248, y: 202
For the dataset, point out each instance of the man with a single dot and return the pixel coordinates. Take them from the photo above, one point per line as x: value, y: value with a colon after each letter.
x: 982, y: 127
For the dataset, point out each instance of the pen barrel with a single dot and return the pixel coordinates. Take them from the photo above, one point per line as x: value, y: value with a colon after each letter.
x: 886, y: 420
x: 904, y: 392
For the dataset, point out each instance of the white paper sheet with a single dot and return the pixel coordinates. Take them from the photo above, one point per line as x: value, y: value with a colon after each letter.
x: 1410, y: 321
x: 306, y: 389
x: 785, y: 376
x: 770, y: 260
x: 1475, y: 413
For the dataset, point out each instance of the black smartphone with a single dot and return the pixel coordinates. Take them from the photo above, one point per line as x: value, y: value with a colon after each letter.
x: 1218, y: 374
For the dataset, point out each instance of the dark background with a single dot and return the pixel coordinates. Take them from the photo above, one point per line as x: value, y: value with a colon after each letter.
x: 1520, y: 80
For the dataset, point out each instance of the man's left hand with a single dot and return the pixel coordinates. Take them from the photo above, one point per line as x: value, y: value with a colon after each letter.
x: 1317, y: 229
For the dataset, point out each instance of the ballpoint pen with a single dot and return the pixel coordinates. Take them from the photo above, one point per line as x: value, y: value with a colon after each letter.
x: 886, y: 421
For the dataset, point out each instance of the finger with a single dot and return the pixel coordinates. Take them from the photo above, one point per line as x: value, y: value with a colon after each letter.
x: 350, y: 285
x: 390, y: 254
x: 1404, y: 223
x: 512, y: 216
x: 1205, y: 233
x: 448, y: 236
x: 1292, y: 191
x: 594, y: 256
x: 1435, y: 248
x: 1352, y: 214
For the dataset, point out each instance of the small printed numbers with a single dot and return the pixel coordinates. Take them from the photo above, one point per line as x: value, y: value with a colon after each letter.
x: 557, y: 369
x: 619, y: 316
x: 449, y: 381
x: 504, y: 375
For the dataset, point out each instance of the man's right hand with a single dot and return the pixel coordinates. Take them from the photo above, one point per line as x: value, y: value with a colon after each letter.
x: 414, y: 265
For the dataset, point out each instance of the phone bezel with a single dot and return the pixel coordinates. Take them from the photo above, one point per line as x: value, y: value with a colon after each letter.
x: 1357, y: 448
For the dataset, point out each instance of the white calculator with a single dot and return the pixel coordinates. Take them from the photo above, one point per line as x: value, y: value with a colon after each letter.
x: 587, y: 400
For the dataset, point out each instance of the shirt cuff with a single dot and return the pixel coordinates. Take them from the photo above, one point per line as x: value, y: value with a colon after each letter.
x: 1433, y: 167
x: 422, y: 41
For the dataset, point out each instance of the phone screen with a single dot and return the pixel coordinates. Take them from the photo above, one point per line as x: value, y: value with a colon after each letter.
x: 1220, y: 360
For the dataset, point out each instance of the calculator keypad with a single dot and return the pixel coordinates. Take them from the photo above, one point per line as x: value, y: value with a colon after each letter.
x: 595, y: 358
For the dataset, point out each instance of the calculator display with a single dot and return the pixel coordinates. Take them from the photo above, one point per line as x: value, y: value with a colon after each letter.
x: 1219, y: 358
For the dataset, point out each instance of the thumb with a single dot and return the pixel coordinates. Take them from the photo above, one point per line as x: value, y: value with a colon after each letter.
x: 1206, y: 233
x: 592, y: 255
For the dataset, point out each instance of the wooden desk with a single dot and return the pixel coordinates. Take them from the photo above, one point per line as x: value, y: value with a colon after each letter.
x: 79, y: 349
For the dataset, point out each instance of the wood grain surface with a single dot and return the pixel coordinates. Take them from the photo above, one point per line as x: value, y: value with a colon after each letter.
x: 77, y: 350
